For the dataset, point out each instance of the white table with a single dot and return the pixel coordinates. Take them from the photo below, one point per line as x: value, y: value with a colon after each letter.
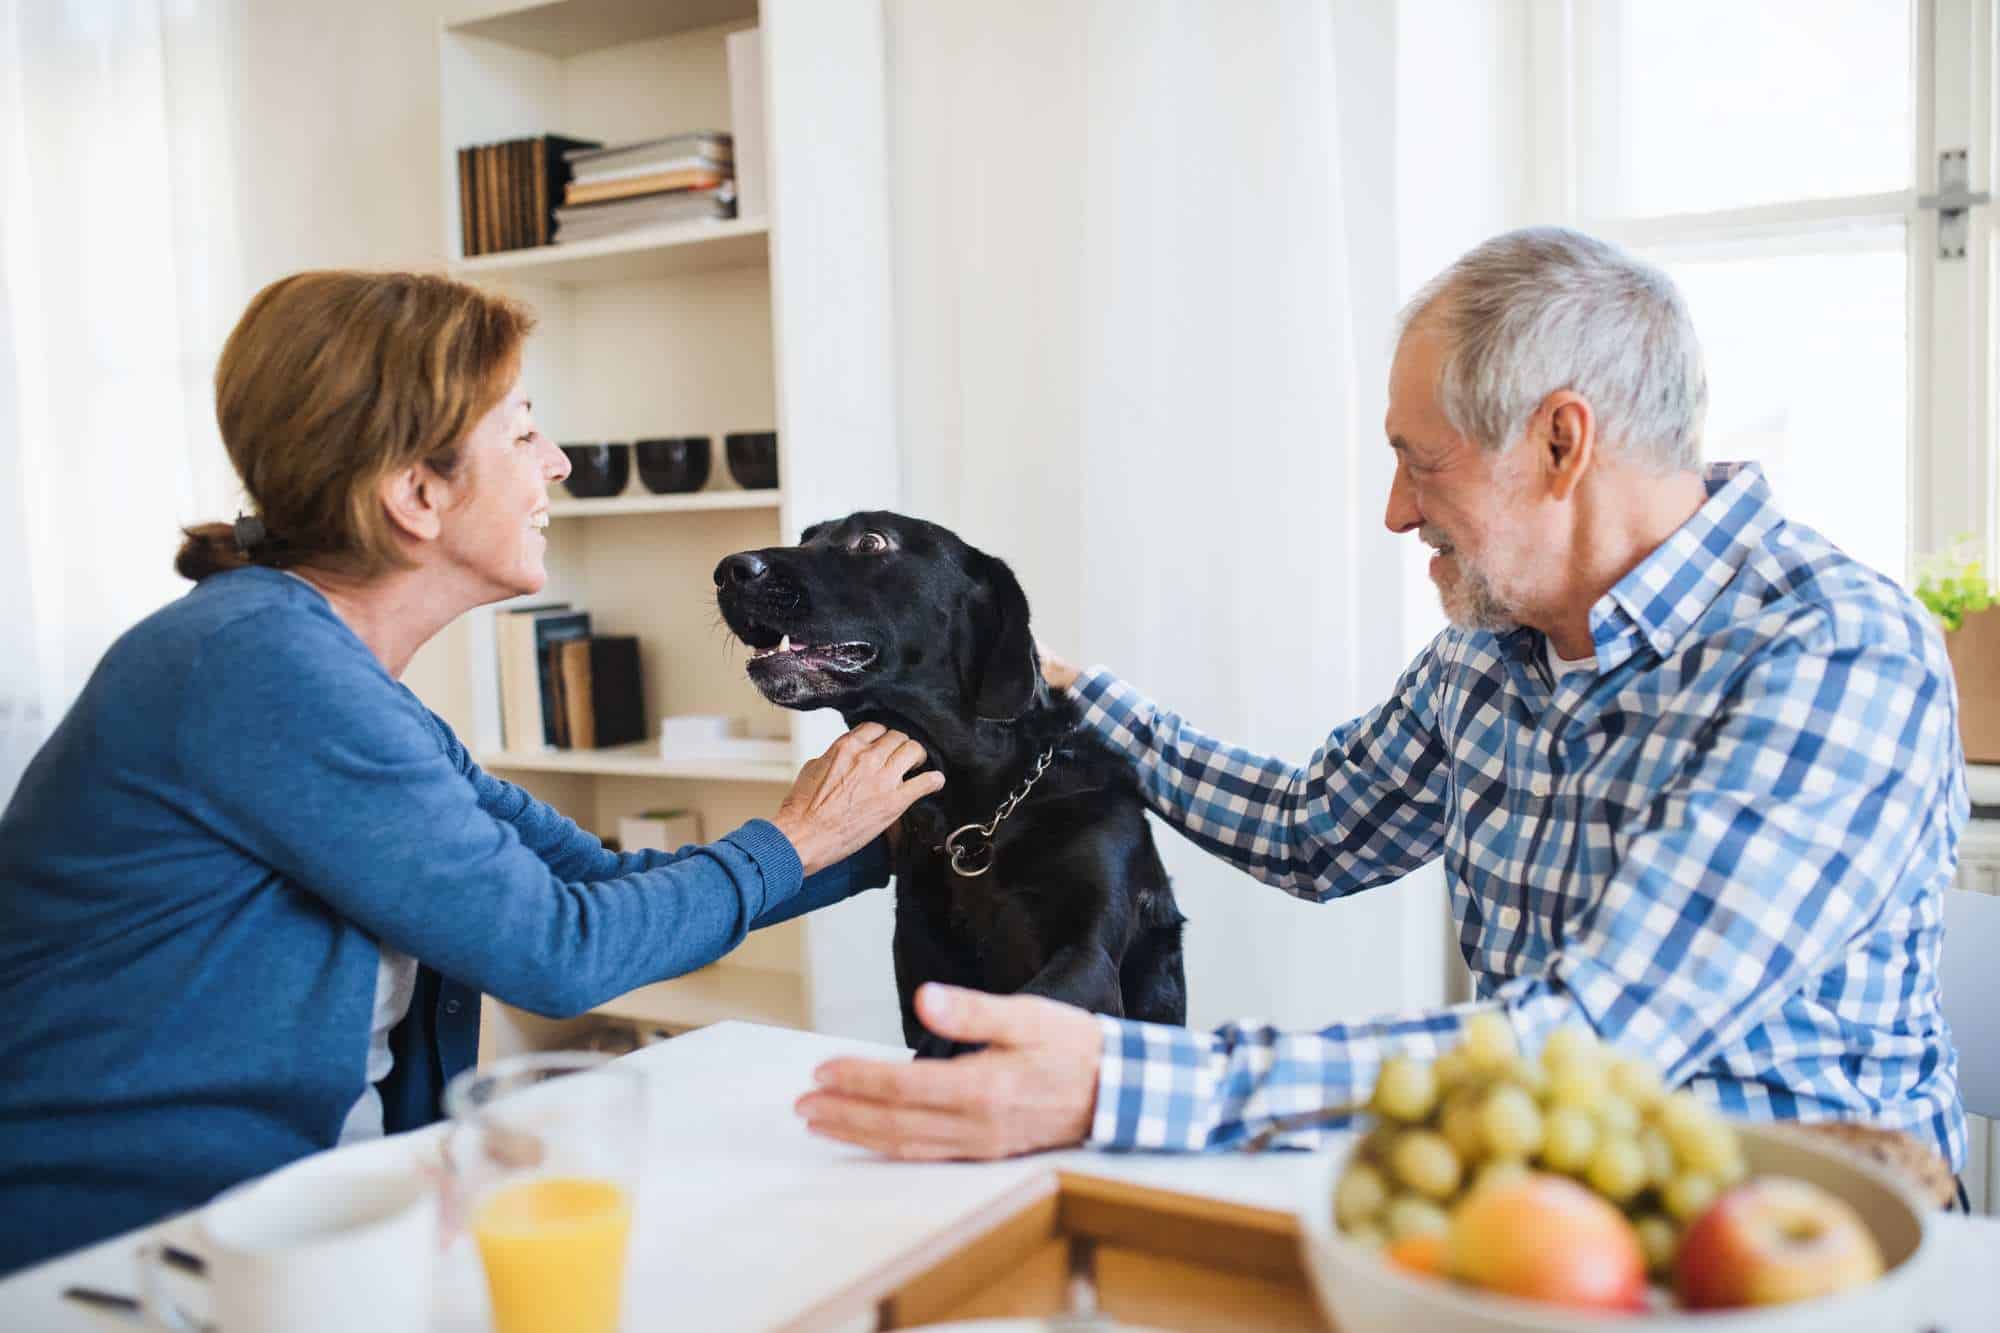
x: 748, y: 1220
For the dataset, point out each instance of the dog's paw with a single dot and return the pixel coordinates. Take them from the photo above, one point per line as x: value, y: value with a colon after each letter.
x: 933, y: 1047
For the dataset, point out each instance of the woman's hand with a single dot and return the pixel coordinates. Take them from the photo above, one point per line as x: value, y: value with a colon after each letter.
x: 1059, y: 674
x: 848, y: 795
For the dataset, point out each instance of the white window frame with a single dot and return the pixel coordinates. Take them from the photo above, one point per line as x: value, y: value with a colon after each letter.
x: 1952, y: 471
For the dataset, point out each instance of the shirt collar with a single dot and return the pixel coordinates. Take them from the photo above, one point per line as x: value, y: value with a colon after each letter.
x: 1662, y: 596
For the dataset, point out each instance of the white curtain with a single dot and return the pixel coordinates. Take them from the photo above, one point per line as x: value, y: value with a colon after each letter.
x: 1128, y: 365
x: 118, y: 276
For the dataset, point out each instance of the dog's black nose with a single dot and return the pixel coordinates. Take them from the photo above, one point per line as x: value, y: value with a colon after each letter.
x: 743, y: 567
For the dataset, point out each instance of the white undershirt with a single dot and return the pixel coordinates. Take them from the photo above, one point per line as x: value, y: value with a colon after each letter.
x: 395, y: 982
x: 1559, y: 665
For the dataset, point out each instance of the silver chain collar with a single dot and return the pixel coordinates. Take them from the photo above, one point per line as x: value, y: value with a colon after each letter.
x: 980, y: 855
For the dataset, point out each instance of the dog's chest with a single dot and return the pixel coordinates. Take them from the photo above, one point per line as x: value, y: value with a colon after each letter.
x: 1000, y: 919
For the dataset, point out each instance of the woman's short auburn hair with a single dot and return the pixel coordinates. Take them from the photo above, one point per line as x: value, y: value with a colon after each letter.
x: 331, y: 382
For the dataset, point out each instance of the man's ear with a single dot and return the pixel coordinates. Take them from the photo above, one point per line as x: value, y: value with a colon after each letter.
x: 1004, y: 650
x: 1569, y: 441
x: 414, y: 498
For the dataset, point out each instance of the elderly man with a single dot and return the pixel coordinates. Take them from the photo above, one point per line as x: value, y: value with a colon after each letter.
x: 1693, y: 772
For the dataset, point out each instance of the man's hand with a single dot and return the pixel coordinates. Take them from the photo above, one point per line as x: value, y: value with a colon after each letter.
x: 1059, y: 674
x: 1033, y: 1087
x: 846, y: 797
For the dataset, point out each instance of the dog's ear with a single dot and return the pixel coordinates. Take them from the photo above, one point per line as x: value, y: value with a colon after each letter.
x: 1004, y: 651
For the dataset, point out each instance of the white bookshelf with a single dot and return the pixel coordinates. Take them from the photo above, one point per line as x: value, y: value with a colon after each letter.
x: 628, y: 503
x: 700, y: 328
x: 649, y: 252
x: 639, y: 760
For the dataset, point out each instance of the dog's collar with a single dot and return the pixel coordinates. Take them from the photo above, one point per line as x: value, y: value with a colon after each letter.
x: 973, y: 858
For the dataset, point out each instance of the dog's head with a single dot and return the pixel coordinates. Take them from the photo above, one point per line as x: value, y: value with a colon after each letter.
x: 879, y: 609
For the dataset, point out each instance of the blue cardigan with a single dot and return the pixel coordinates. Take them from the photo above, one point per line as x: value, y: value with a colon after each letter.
x: 195, y: 871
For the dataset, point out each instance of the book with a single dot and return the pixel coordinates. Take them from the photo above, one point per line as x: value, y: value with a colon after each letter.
x: 704, y: 175
x: 590, y: 221
x: 745, y: 51
x: 588, y: 162
x: 508, y: 192
x: 599, y: 691
x: 468, y: 244
x: 527, y: 699
x: 720, y: 164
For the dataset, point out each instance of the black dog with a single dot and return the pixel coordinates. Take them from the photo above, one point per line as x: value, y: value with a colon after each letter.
x: 894, y: 620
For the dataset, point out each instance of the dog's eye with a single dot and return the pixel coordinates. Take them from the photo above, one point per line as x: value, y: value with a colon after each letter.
x: 871, y: 543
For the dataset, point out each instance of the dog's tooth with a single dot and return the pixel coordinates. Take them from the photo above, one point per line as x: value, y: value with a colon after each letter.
x: 785, y: 644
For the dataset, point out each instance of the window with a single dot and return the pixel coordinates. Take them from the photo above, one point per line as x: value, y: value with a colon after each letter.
x: 1772, y: 158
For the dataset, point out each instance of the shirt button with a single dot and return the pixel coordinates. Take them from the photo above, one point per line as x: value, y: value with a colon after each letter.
x: 1538, y: 785
x: 452, y: 1006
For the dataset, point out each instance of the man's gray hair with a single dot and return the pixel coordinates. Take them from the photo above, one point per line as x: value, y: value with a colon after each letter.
x: 1534, y: 311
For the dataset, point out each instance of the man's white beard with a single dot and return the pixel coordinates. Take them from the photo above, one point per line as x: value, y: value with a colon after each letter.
x: 1472, y: 602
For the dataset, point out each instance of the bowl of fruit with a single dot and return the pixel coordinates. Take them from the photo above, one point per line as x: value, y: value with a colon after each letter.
x: 1493, y: 1193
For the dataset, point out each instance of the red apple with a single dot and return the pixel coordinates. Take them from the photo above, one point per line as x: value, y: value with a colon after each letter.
x: 1773, y: 1240
x: 1547, y: 1238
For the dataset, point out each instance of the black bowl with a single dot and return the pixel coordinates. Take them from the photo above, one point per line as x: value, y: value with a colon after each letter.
x: 674, y: 464
x: 597, y: 470
x: 753, y: 459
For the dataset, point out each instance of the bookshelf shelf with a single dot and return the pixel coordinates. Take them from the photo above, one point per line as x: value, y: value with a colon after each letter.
x: 671, y: 250
x: 641, y: 759
x: 700, y: 501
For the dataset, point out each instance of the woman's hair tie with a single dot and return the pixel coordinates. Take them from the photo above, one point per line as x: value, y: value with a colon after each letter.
x: 250, y: 532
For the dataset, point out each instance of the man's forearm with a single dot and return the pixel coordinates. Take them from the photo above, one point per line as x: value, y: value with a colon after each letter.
x: 1339, y: 825
x: 1176, y: 1089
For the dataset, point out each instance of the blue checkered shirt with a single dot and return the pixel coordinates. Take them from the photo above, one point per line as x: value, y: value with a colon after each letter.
x: 1725, y: 849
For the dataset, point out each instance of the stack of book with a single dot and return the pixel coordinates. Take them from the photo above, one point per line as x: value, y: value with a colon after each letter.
x: 562, y: 686
x: 676, y: 179
x: 508, y: 192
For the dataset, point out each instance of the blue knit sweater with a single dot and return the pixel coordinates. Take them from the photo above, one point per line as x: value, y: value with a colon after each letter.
x: 195, y: 871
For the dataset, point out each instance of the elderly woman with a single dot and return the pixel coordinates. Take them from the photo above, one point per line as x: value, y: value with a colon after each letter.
x: 252, y: 889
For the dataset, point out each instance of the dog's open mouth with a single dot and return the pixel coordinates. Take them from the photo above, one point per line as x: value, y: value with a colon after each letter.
x: 801, y: 673
x: 787, y: 655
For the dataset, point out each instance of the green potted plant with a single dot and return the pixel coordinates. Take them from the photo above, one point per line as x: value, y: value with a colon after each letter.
x: 1954, y: 587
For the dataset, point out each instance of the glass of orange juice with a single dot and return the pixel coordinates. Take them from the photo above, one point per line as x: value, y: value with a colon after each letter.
x: 547, y: 1152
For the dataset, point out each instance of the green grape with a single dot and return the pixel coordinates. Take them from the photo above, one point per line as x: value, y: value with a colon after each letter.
x: 1567, y: 1045
x: 1426, y: 1163
x: 1637, y: 1082
x: 1368, y: 1235
x: 1702, y: 1139
x: 1680, y: 1112
x: 1660, y: 1241
x: 1409, y: 1215
x: 1733, y: 1168
x: 1617, y: 1169
x: 1462, y: 1127
x: 1532, y: 1078
x: 1512, y: 1122
x: 1579, y: 1083
x: 1360, y: 1195
x: 1453, y: 1069
x: 1489, y: 1041
x: 1659, y: 1156
x: 1405, y: 1090
x: 1569, y: 1139
x: 1688, y: 1195
x: 1500, y: 1171
x: 1376, y: 1143
x: 1617, y: 1115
